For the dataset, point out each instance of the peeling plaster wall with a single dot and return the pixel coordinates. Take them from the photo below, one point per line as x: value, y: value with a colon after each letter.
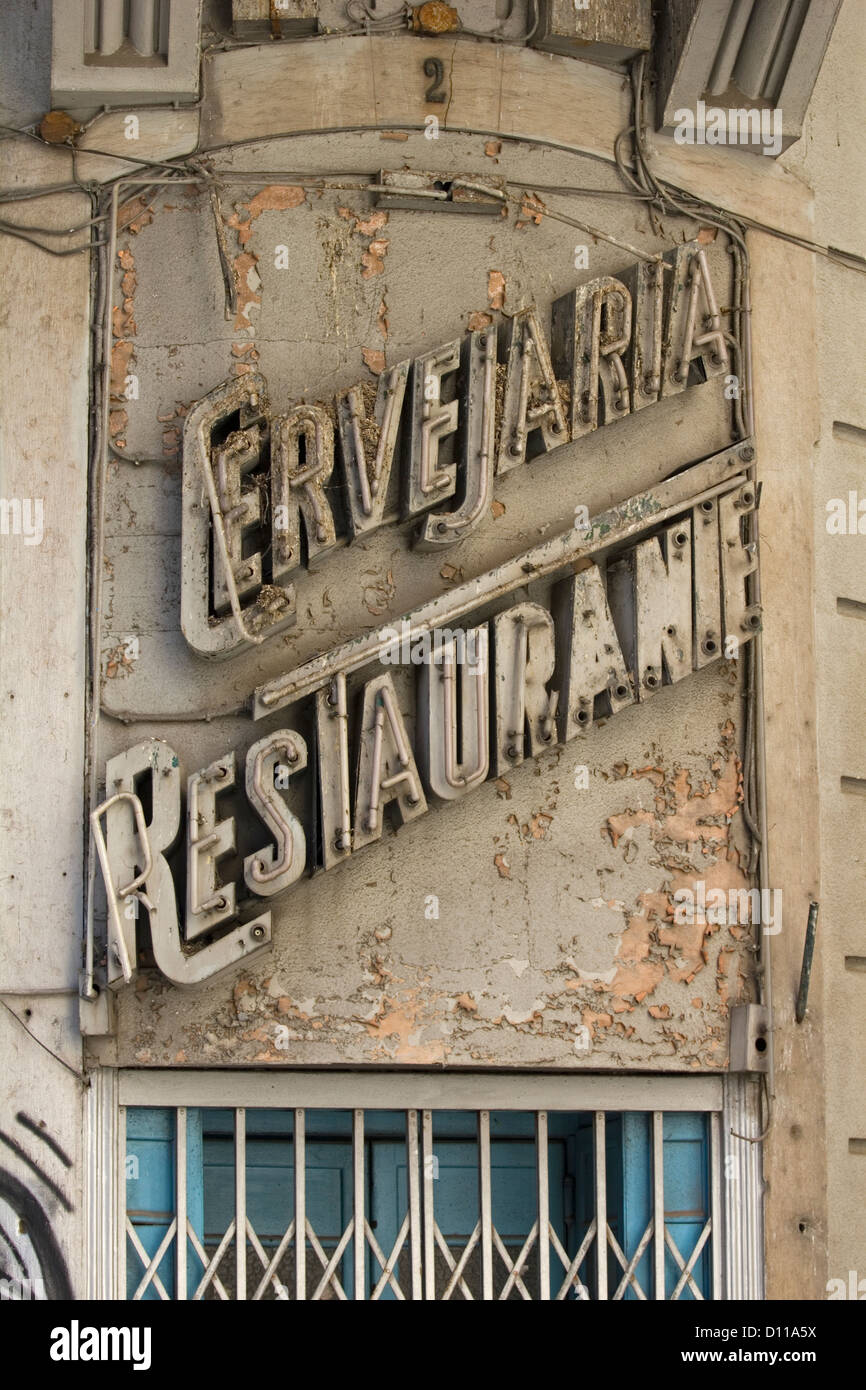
x: 550, y: 940
x: 554, y: 946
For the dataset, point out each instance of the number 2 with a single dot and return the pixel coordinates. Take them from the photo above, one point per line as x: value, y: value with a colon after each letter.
x: 433, y: 68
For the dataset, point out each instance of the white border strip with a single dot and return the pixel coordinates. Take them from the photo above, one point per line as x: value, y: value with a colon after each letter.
x: 332, y: 1090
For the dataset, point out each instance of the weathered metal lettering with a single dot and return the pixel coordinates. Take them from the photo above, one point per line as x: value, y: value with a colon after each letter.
x: 208, y: 840
x: 124, y: 850
x: 454, y: 715
x: 475, y: 470
x: 655, y: 589
x: 368, y: 447
x: 533, y: 419
x: 432, y: 421
x: 270, y: 763
x: 332, y: 743
x: 591, y: 669
x: 592, y: 332
x: 387, y: 770
x: 525, y: 710
x: 617, y: 346
x: 694, y: 334
x: 648, y: 296
x: 217, y: 512
x: 302, y: 447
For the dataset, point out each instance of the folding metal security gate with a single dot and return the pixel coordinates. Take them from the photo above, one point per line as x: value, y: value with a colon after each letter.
x: 420, y: 1187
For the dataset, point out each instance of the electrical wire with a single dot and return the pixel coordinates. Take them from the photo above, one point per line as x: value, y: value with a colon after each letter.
x: 366, y: 21
x: 688, y: 204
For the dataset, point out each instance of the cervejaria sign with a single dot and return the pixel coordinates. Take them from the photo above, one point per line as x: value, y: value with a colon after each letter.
x: 640, y: 595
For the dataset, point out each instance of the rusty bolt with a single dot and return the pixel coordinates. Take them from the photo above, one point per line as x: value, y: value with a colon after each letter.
x: 58, y: 127
x: 747, y: 454
x: 435, y: 17
x: 257, y: 933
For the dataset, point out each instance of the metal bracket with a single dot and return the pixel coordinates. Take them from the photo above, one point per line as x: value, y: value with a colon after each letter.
x: 750, y: 1038
x: 806, y: 967
x: 417, y: 192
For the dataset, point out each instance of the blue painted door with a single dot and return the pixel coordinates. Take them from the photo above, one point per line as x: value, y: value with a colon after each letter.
x: 151, y: 1158
x: 150, y: 1168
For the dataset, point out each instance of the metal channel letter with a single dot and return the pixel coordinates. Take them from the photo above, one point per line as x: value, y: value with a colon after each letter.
x: 523, y: 641
x: 432, y: 420
x: 121, y: 920
x: 387, y: 771
x: 369, y: 446
x: 270, y: 764
x: 707, y: 582
x: 646, y: 282
x: 739, y: 559
x: 332, y: 744
x: 241, y: 513
x: 456, y: 680
x: 591, y: 335
x: 694, y: 332
x: 592, y: 661
x: 208, y: 840
x: 215, y: 500
x: 655, y: 586
x: 157, y: 760
x: 302, y: 461
x: 533, y: 420
x: 475, y: 471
